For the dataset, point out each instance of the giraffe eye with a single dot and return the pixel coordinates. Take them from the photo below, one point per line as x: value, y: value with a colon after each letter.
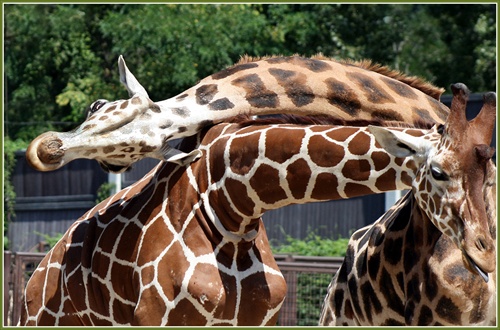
x: 438, y: 174
x: 94, y: 107
x: 440, y: 129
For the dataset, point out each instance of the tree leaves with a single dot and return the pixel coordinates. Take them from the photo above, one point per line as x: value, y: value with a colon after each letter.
x: 59, y: 58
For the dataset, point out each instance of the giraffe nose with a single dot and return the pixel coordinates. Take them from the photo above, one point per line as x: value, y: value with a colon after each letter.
x: 481, y: 251
x: 45, y: 153
x: 481, y: 244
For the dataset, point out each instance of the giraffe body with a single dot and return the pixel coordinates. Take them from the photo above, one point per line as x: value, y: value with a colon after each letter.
x: 431, y: 259
x: 186, y: 245
x: 276, y: 85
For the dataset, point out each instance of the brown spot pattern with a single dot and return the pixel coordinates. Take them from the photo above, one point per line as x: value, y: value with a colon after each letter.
x: 387, y: 114
x: 360, y: 144
x: 373, y: 92
x: 283, y: 144
x: 387, y: 181
x: 244, y: 203
x: 111, y: 108
x: 266, y: 183
x: 400, y: 88
x: 381, y: 160
x: 257, y: 93
x: 358, y: 170
x: 323, y: 187
x: 297, y: 175
x: 243, y: 153
x: 311, y: 64
x: 108, y: 149
x: 205, y: 93
x: 341, y: 96
x: 181, y: 112
x: 221, y: 104
x: 325, y: 157
x: 295, y: 85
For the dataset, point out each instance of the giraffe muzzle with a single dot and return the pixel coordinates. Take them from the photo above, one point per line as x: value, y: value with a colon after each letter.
x: 479, y: 255
x: 45, y: 153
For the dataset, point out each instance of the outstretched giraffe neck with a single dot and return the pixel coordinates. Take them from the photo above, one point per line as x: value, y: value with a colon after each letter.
x: 120, y: 133
x: 311, y: 86
x: 264, y: 166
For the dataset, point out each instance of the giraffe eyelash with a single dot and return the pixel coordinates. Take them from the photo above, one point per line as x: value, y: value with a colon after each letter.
x: 438, y: 174
x: 94, y: 107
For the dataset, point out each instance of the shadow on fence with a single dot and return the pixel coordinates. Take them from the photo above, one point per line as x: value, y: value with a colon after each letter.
x: 307, y: 279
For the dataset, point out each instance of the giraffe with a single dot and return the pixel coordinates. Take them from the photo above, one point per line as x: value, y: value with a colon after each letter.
x: 430, y: 260
x: 186, y: 244
x: 255, y: 86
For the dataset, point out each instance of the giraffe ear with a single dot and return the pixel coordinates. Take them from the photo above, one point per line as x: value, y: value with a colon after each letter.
x: 127, y: 78
x: 397, y: 143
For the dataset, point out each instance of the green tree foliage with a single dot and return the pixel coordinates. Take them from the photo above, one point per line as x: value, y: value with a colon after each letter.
x: 60, y: 58
x: 313, y: 245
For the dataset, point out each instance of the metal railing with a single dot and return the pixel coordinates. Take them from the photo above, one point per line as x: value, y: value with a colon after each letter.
x: 307, y: 279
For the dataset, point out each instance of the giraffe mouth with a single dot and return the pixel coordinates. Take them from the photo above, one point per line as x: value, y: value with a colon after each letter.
x: 476, y: 268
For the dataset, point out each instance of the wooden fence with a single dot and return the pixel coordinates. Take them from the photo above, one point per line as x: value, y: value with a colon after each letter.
x: 307, y: 279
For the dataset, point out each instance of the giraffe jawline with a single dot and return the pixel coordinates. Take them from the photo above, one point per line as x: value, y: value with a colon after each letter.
x: 113, y: 168
x: 474, y: 266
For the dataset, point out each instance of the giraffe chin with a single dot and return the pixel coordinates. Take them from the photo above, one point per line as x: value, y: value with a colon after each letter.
x: 110, y: 168
x: 476, y: 268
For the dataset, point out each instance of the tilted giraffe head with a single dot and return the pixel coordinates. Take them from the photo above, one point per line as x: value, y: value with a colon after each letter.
x: 119, y: 133
x: 451, y: 176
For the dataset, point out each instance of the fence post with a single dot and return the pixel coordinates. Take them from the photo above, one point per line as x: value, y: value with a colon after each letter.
x: 7, y: 294
x: 288, y: 314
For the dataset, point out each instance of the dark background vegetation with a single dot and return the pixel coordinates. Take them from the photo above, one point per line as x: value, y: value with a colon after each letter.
x: 60, y: 58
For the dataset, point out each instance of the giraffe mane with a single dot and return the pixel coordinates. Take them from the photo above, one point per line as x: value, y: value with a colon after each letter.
x: 412, y: 81
x: 245, y: 121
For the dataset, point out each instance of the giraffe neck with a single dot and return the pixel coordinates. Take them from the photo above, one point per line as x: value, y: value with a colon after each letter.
x: 264, y: 167
x: 307, y: 86
x: 399, y: 269
x: 120, y: 133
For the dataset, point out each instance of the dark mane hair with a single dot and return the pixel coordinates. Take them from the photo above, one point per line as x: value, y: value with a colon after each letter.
x: 245, y: 120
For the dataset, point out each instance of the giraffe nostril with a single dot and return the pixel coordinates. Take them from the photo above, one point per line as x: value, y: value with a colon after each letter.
x: 481, y: 244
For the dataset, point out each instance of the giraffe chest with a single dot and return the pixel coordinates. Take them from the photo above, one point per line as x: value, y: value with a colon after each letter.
x: 209, y: 288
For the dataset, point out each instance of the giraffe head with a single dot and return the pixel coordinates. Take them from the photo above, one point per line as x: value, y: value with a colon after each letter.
x: 451, y: 175
x: 116, y: 133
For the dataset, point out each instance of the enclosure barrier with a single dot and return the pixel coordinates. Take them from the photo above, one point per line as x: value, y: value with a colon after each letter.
x: 307, y: 279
